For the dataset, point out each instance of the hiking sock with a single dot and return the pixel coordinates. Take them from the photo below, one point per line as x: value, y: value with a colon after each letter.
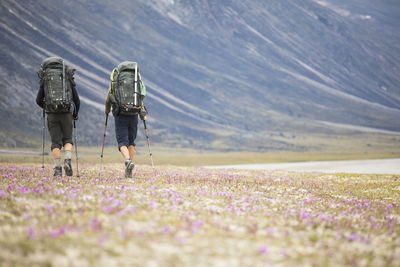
x: 57, y: 162
x: 67, y: 154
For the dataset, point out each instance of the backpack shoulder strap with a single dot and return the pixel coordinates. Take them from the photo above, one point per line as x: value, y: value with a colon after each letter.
x: 70, y: 75
x: 112, y: 77
x: 113, y: 73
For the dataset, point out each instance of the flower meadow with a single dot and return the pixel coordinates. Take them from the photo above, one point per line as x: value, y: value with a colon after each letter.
x: 189, y: 216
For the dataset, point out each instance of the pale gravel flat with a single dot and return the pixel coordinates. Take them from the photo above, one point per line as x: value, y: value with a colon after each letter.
x: 375, y: 166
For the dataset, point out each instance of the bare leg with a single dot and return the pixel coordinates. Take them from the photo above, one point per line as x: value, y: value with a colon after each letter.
x: 56, y: 153
x: 124, y: 152
x: 131, y: 152
x: 68, y: 146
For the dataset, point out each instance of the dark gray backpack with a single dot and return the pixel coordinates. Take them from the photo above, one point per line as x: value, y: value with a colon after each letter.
x: 57, y: 82
x: 126, y: 88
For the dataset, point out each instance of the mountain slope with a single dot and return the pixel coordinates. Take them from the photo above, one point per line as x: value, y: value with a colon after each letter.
x: 216, y: 72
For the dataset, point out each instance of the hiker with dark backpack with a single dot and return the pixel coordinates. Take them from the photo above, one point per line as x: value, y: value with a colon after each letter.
x: 57, y: 95
x: 125, y: 95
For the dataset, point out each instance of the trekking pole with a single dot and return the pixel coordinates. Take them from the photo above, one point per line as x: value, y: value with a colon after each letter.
x: 76, y: 150
x: 148, y: 144
x: 44, y: 126
x: 104, y: 139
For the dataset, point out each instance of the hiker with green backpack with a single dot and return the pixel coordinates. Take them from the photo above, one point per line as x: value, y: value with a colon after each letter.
x: 125, y: 95
x: 59, y: 99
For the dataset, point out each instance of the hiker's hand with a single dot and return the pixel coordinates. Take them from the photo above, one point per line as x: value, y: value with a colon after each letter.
x: 142, y: 113
x: 75, y: 117
x: 112, y: 98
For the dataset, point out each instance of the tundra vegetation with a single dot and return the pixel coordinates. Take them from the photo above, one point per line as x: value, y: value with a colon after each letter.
x: 192, y: 216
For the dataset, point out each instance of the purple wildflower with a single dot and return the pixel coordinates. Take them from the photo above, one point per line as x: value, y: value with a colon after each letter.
x: 196, y: 226
x: 353, y: 237
x: 166, y: 230
x: 102, y: 239
x: 108, y: 209
x: 264, y: 250
x: 95, y: 225
x: 23, y: 190
x: 57, y: 233
x: 49, y: 209
x: 31, y: 233
x: 152, y: 205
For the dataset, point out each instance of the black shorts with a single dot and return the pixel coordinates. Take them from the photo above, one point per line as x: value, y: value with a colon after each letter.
x: 126, y: 130
x: 60, y: 129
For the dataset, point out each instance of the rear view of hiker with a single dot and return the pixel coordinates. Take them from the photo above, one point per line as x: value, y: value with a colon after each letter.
x: 58, y: 97
x: 125, y: 95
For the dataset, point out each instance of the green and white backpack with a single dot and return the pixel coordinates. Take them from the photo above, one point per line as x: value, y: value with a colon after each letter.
x: 126, y: 83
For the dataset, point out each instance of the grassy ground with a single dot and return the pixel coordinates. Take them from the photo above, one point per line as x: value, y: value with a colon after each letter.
x: 188, y: 157
x: 190, y: 216
x: 315, y: 147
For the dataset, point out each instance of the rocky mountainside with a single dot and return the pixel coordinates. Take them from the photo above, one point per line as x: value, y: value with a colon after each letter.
x: 226, y: 75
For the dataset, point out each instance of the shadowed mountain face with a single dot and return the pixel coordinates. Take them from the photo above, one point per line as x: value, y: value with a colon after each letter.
x: 219, y: 74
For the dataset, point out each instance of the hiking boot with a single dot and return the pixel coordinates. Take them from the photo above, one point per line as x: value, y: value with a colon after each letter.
x: 57, y: 171
x: 67, y: 167
x: 128, y: 169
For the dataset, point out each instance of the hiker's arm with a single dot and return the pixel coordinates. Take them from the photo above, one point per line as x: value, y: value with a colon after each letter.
x: 142, y: 88
x: 108, y: 102
x: 77, y: 101
x: 110, y: 99
x: 75, y: 96
x: 40, y: 96
x: 143, y: 111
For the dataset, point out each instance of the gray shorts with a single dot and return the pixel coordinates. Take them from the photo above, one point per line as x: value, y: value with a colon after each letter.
x: 60, y: 129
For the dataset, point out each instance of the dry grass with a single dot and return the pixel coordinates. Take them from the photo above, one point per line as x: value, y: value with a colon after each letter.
x: 189, y: 157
